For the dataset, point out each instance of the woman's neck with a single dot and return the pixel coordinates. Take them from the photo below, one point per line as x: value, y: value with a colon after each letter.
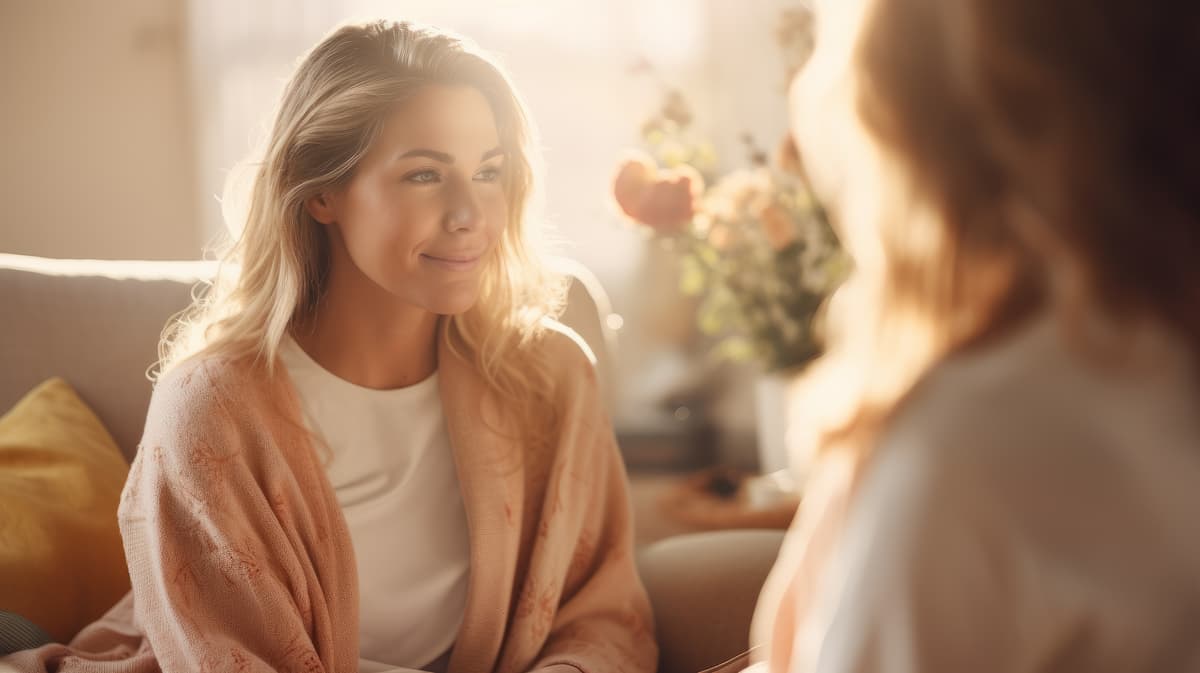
x: 364, y: 335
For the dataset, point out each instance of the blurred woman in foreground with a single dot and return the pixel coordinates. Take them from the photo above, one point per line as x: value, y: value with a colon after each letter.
x: 1007, y: 423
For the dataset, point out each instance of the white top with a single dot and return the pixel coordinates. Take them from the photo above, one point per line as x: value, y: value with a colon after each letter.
x: 1029, y: 511
x: 394, y: 475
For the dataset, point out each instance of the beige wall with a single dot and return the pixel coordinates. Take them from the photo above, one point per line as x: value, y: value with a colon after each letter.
x: 98, y: 156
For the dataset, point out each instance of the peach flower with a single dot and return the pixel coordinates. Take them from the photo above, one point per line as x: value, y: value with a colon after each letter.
x: 664, y: 200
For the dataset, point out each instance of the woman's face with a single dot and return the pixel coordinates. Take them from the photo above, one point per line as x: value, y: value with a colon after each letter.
x: 425, y: 209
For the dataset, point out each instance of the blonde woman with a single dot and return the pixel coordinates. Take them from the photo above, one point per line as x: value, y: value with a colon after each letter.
x: 371, y: 448
x: 1008, y: 421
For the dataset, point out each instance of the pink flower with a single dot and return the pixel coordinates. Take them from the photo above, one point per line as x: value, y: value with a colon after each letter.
x: 664, y: 200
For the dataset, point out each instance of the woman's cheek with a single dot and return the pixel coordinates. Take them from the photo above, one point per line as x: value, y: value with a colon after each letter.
x: 496, y: 214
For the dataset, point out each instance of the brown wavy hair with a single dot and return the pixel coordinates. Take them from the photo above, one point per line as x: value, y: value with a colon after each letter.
x: 1022, y: 148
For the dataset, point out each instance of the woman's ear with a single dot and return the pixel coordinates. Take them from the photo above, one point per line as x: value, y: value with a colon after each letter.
x: 322, y: 207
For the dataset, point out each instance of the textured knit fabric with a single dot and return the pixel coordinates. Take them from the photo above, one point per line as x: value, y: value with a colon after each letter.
x: 241, y: 561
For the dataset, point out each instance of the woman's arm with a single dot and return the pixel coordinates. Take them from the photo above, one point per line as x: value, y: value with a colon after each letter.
x: 603, y: 622
x: 213, y: 573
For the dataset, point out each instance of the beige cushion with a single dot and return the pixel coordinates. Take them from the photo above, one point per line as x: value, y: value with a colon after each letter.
x: 97, y: 323
x: 704, y: 588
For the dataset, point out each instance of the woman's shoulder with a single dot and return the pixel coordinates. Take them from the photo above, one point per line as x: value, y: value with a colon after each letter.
x: 570, y: 364
x: 1011, y: 386
x: 1016, y: 451
x: 1039, y: 407
x: 200, y: 395
x: 565, y: 351
x: 980, y: 429
x: 201, y: 379
x: 1048, y: 374
x: 194, y: 441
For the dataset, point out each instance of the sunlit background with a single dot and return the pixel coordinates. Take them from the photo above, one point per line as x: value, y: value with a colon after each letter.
x: 121, y: 121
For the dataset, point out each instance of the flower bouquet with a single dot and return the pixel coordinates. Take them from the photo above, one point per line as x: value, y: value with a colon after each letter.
x: 755, y: 246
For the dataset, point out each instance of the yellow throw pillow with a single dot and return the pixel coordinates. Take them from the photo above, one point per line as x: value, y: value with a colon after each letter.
x: 61, y: 560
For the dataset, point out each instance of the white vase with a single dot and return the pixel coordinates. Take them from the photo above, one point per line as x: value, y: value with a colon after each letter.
x: 772, y: 413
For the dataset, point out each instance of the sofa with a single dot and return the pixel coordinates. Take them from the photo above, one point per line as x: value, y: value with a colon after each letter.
x: 96, y: 324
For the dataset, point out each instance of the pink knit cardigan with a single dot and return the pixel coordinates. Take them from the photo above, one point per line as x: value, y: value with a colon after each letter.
x: 241, y: 561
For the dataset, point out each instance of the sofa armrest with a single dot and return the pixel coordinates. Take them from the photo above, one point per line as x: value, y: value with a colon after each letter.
x: 704, y: 588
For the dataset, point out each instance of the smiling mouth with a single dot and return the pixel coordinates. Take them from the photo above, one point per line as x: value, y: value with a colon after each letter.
x: 455, y: 263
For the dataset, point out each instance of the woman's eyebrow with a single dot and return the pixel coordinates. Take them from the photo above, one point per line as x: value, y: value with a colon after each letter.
x: 429, y: 154
x: 449, y: 158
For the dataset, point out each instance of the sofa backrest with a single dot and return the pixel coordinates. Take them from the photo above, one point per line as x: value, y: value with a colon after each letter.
x: 96, y: 323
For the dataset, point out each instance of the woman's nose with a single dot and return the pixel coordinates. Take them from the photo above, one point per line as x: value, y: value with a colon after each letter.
x: 462, y: 217
x: 462, y: 211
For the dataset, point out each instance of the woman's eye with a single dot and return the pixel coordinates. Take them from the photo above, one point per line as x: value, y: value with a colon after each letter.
x: 423, y: 177
x: 488, y: 175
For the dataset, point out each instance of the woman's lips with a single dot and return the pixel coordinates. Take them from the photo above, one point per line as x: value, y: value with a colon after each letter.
x: 465, y: 262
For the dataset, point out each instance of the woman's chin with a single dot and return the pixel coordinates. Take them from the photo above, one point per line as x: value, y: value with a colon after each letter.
x: 454, y: 303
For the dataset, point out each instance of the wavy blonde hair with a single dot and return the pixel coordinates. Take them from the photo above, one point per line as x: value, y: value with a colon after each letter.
x: 1009, y: 145
x: 331, y: 111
